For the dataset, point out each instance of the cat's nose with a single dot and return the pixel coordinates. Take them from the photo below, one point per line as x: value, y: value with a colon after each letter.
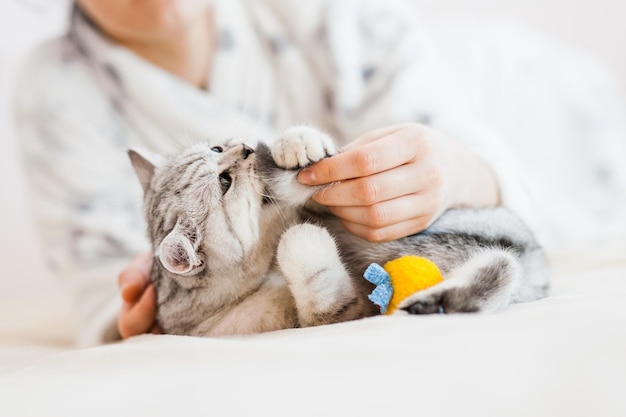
x: 246, y: 151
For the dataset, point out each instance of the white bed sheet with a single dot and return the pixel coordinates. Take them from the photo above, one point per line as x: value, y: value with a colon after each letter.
x: 561, y: 356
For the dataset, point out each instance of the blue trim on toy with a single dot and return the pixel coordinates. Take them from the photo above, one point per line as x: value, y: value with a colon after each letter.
x: 381, y: 296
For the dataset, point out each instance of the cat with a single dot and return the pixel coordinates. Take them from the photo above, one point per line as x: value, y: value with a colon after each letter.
x: 239, y: 248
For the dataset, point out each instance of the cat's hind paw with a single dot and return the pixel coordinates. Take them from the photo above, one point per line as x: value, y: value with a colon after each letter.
x: 484, y: 283
x: 305, y: 250
x: 301, y: 146
x: 321, y: 287
x: 449, y: 300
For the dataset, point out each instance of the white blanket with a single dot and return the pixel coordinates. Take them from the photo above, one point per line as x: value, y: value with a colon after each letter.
x: 562, y: 356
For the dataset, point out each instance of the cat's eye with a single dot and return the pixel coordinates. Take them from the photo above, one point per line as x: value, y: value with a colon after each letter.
x: 217, y: 149
x: 225, y: 181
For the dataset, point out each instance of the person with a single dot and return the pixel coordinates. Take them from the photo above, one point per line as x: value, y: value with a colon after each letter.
x: 161, y: 74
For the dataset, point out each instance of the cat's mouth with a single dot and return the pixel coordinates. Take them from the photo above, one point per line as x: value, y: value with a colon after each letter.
x: 225, y: 181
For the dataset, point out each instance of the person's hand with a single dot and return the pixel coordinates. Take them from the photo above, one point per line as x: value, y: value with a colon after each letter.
x: 396, y: 181
x: 138, y: 313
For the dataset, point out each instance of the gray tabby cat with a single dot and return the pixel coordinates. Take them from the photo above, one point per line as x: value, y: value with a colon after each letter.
x: 237, y: 250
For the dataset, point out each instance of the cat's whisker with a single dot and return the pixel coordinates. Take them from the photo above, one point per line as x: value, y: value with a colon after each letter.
x: 175, y: 145
x: 183, y: 138
x: 272, y: 198
x: 186, y: 137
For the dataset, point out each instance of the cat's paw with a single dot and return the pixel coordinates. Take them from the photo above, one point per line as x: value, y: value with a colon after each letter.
x: 440, y: 301
x: 301, y: 146
x: 320, y: 285
x: 483, y: 283
x: 305, y: 250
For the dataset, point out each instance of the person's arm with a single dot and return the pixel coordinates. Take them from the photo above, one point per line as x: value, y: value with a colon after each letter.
x: 84, y: 195
x: 396, y: 181
x: 415, y: 149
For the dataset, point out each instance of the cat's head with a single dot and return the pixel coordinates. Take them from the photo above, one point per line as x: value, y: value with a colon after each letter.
x: 204, y: 207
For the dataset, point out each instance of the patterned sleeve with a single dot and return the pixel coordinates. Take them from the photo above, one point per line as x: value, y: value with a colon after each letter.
x: 384, y: 69
x: 84, y: 197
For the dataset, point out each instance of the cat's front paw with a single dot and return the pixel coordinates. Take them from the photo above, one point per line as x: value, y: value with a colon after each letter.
x: 301, y: 146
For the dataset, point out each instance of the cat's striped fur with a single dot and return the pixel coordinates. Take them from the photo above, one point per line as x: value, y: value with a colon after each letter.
x: 237, y: 249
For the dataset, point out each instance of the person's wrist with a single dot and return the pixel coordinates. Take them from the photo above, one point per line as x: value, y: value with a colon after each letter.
x: 471, y: 181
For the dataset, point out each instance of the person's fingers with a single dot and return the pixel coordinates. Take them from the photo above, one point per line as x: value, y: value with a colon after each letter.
x: 391, y: 232
x: 388, y: 152
x: 371, y: 136
x: 390, y: 212
x: 140, y: 317
x: 133, y: 279
x: 133, y: 289
x: 403, y: 180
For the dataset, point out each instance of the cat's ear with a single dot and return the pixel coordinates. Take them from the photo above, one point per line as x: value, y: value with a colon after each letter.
x: 177, y: 254
x: 144, y: 168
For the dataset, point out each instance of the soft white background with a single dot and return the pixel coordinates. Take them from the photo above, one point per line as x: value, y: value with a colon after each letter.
x: 595, y: 25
